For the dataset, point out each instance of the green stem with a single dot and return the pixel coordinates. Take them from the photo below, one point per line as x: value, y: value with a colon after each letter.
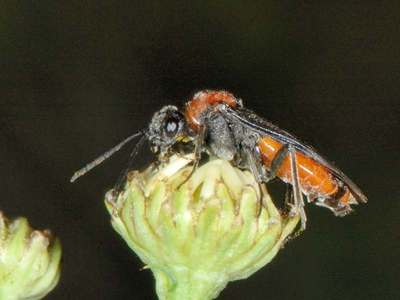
x: 186, y: 284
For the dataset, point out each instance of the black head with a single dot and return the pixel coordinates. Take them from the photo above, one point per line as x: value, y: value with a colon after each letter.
x: 166, y: 128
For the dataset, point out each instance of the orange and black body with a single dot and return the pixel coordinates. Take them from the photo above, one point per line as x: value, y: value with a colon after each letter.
x: 318, y: 179
x: 216, y: 122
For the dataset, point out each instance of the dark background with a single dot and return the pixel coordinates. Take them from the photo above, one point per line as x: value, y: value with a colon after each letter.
x: 77, y: 77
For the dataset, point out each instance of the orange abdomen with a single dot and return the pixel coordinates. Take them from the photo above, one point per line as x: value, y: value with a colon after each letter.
x: 315, y: 180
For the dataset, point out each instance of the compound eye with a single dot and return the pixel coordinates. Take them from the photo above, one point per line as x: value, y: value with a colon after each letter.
x: 171, y: 126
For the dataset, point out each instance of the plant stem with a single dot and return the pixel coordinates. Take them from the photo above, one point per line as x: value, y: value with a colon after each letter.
x: 186, y: 284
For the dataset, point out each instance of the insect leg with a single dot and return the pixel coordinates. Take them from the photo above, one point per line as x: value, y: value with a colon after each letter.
x: 198, y: 148
x: 289, y: 203
x: 257, y: 169
x: 297, y: 195
x: 255, y: 165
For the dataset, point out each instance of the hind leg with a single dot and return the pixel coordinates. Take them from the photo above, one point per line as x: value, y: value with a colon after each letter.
x: 298, y: 201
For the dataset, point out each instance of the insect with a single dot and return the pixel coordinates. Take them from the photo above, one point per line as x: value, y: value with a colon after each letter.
x: 216, y: 122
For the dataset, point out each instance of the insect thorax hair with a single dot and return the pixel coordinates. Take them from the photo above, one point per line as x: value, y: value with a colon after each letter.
x: 230, y: 140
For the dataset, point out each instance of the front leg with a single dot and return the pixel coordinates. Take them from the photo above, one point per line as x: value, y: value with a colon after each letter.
x: 198, y: 149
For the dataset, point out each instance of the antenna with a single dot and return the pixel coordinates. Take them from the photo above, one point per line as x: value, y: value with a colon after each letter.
x: 103, y: 157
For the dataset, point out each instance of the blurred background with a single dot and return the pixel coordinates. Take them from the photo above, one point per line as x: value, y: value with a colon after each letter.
x: 77, y: 77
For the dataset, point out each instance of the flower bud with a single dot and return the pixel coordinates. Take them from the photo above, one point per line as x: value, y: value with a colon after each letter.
x: 198, y: 234
x: 29, y: 260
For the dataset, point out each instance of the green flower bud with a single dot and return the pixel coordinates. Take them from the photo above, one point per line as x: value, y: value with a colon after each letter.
x: 199, y: 234
x: 29, y: 261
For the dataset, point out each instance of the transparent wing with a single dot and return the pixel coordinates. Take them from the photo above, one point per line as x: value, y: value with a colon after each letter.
x: 253, y: 122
